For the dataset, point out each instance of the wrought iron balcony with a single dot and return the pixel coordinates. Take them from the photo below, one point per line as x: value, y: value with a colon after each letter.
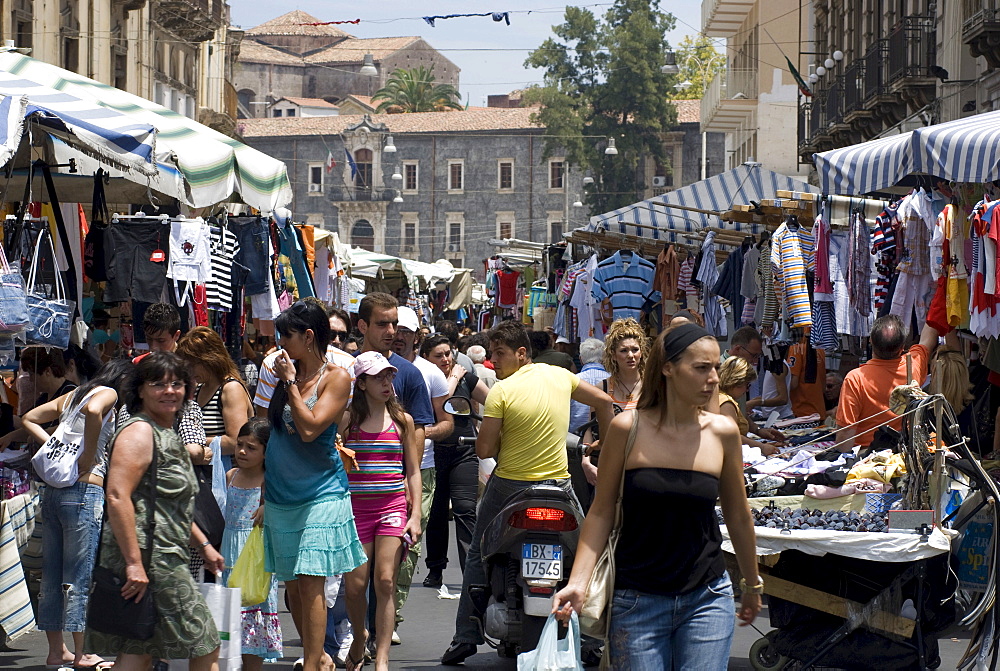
x: 981, y: 29
x: 359, y: 194
x: 912, y: 49
x: 854, y: 86
x: 192, y: 20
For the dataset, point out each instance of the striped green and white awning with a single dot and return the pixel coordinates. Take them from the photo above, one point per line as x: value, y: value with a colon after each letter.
x: 215, y: 168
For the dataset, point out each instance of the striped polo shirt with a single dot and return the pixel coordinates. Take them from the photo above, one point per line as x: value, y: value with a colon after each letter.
x: 627, y: 288
x: 791, y: 256
x: 380, y: 462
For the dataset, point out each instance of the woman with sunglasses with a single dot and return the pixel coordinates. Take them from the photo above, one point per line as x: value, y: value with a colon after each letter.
x: 309, y: 531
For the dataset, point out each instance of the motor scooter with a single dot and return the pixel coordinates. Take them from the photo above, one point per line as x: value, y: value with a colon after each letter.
x: 527, y: 550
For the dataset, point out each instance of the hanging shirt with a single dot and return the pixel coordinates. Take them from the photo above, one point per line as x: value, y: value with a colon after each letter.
x: 917, y: 221
x: 223, y: 249
x: 507, y: 292
x: 858, y: 276
x: 189, y: 259
x: 791, y: 255
x: 665, y: 280
x: 627, y: 280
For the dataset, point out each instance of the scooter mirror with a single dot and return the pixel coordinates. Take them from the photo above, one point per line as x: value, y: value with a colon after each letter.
x: 458, y: 405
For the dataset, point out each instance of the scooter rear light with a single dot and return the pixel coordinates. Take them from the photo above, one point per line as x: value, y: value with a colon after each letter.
x: 541, y: 590
x: 542, y: 519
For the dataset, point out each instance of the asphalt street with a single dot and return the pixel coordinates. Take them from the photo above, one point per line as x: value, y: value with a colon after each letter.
x: 426, y: 631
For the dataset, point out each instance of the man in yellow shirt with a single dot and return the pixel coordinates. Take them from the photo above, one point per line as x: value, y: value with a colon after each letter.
x: 524, y: 427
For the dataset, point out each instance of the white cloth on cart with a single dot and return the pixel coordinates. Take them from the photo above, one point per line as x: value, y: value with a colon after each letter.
x: 876, y: 546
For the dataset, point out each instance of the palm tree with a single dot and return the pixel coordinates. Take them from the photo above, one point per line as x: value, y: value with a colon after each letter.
x: 415, y: 91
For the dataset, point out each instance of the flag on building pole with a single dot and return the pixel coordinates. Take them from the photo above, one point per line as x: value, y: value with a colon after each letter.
x: 803, y: 87
x: 330, y: 163
x: 350, y: 162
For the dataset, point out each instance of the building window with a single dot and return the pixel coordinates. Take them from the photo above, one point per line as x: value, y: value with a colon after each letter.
x: 555, y: 231
x: 505, y: 175
x: 121, y: 70
x: 276, y: 112
x: 363, y: 176
x: 664, y: 172
x: 456, y: 175
x: 71, y: 53
x: 409, y: 235
x: 455, y: 236
x: 556, y: 174
x: 363, y: 235
x: 290, y: 112
x: 410, y: 176
x: 506, y: 230
x: 315, y: 178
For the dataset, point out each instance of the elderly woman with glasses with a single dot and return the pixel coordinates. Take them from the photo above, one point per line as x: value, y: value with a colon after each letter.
x: 184, y: 626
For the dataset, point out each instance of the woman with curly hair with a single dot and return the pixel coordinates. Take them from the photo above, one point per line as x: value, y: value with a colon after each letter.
x: 625, y: 348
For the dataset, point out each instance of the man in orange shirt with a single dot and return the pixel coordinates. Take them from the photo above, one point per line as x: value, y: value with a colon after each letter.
x: 807, y: 385
x: 864, y: 397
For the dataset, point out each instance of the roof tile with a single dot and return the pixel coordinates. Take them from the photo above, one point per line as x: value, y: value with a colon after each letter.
x: 291, y: 24
x: 353, y: 50
x: 483, y: 119
x: 688, y: 111
x: 309, y: 102
x: 255, y: 52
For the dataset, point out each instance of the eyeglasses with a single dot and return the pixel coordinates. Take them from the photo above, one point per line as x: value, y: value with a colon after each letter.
x: 338, y: 335
x: 176, y: 385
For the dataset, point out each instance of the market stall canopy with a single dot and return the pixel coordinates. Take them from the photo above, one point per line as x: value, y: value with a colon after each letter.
x: 741, y: 185
x: 105, y: 133
x: 216, y: 168
x: 964, y: 150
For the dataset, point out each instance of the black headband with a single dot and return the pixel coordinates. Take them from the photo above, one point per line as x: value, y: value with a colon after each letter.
x: 680, y: 338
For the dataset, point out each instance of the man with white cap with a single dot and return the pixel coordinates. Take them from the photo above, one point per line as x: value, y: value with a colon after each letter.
x: 407, y: 331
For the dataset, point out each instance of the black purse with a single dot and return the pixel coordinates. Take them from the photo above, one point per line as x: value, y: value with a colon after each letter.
x: 207, y: 514
x: 108, y: 611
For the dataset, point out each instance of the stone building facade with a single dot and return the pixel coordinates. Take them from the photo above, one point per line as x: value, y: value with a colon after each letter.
x: 288, y: 57
x: 455, y: 181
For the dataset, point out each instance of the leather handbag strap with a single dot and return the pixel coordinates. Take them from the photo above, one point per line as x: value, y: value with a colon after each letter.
x: 150, y: 507
x: 628, y: 450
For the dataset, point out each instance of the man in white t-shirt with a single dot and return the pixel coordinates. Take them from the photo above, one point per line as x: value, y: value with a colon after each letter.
x: 407, y: 332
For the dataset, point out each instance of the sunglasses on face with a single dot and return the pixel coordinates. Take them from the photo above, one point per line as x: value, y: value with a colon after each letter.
x: 338, y: 335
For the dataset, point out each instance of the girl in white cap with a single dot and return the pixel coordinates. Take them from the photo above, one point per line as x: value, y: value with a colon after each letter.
x: 384, y: 440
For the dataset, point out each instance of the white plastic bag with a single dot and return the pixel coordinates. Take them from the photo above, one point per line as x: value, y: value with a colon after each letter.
x: 57, y: 461
x: 224, y: 604
x: 553, y: 654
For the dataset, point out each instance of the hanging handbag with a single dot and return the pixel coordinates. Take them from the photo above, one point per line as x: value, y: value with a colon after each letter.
x: 108, y: 611
x: 595, y: 615
x: 95, y: 258
x: 57, y: 462
x: 50, y: 320
x: 13, y: 300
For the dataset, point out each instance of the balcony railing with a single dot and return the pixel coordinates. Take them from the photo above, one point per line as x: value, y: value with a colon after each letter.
x: 817, y: 120
x: 876, y: 62
x: 912, y: 48
x: 804, y: 125
x: 976, y: 11
x: 728, y: 84
x: 361, y: 194
x: 854, y: 86
x: 981, y: 29
x: 835, y: 102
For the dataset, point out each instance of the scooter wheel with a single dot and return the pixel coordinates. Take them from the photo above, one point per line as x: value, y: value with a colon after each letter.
x: 763, y: 657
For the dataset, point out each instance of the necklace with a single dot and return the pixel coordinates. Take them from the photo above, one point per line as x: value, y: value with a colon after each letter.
x: 628, y: 394
x: 311, y: 376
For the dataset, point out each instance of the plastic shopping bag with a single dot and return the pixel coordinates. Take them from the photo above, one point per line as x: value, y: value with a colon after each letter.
x: 553, y: 654
x: 248, y: 571
x: 224, y: 604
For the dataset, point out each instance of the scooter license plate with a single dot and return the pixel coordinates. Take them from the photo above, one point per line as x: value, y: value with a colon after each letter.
x: 541, y: 560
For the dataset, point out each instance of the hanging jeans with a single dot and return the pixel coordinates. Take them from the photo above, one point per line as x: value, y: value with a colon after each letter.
x: 251, y: 232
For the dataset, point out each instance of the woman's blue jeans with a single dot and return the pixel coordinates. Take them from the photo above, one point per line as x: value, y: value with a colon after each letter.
x: 70, y: 530
x: 691, y: 631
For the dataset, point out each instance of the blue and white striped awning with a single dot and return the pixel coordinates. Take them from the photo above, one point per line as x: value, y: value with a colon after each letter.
x: 95, y: 130
x: 866, y: 167
x: 719, y: 193
x: 964, y: 150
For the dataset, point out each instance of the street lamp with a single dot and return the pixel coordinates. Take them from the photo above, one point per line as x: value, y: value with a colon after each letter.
x: 669, y: 66
x: 396, y: 175
x: 577, y: 202
x: 368, y: 66
x: 398, y: 198
x: 612, y: 150
x: 389, y: 148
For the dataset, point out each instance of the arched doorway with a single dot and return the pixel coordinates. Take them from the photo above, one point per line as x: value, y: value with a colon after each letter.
x: 363, y: 235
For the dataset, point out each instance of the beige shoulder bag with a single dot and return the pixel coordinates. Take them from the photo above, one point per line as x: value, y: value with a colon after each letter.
x: 596, y: 613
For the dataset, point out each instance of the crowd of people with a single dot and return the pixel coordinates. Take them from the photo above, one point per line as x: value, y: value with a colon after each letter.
x: 352, y: 467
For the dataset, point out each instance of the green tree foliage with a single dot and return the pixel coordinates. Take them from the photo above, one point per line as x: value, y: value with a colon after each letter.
x: 415, y: 91
x: 602, y: 79
x: 699, y: 62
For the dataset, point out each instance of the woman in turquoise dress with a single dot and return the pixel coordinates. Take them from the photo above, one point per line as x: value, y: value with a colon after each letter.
x: 261, y: 638
x: 184, y: 628
x: 309, y: 531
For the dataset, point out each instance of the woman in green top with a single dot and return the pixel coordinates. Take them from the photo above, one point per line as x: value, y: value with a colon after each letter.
x: 184, y: 628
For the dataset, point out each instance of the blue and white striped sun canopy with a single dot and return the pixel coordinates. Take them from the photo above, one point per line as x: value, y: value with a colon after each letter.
x: 719, y: 193
x: 964, y: 150
x: 91, y: 128
x: 866, y: 167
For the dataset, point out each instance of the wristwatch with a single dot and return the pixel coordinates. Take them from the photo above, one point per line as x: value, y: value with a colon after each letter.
x: 752, y: 589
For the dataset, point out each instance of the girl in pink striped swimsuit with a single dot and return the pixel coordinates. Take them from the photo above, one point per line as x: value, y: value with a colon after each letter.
x: 385, y: 443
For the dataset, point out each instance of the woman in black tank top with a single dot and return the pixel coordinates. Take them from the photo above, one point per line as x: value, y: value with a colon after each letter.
x: 672, y: 606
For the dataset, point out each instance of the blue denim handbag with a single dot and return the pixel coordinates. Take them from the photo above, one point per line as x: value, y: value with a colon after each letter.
x: 13, y: 308
x: 49, y: 319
